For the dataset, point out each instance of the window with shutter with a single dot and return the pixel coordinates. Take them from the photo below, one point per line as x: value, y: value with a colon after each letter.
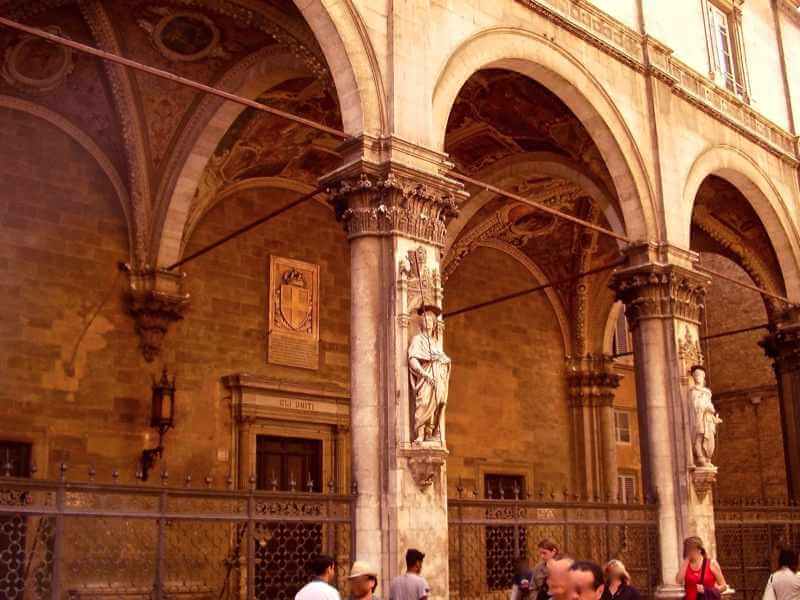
x: 725, y: 48
x: 626, y: 488
x: 622, y: 426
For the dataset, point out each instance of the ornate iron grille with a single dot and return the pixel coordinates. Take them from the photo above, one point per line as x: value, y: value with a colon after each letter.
x: 749, y: 532
x: 67, y: 540
x: 588, y: 530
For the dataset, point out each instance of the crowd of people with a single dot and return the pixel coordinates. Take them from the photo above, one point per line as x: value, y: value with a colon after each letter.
x: 558, y: 577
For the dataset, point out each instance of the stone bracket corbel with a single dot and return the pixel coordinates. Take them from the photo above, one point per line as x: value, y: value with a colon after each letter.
x: 703, y: 479
x: 425, y: 464
x: 154, y: 299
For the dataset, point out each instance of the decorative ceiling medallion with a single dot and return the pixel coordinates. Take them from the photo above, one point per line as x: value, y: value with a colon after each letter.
x: 184, y: 36
x: 37, y: 66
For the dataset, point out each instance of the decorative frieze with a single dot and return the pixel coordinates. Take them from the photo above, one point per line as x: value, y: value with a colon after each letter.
x: 627, y: 46
x: 656, y: 290
x: 390, y: 202
x: 155, y: 300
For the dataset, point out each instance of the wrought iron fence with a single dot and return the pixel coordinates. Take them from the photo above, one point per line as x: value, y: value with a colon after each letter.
x: 749, y: 532
x: 488, y: 536
x: 65, y: 540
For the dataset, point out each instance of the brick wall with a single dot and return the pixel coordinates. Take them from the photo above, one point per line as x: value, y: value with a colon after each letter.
x: 507, y: 409
x: 62, y: 231
x: 750, y: 449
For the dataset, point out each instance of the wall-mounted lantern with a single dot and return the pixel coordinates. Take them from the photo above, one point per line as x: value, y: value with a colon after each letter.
x: 162, y: 417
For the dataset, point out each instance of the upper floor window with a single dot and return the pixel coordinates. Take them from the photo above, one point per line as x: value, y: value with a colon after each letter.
x: 726, y: 52
x: 622, y: 426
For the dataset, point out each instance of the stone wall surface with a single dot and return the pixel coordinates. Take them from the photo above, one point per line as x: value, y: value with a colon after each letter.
x: 507, y: 409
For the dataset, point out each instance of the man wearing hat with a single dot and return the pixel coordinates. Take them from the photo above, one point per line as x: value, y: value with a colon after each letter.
x: 429, y: 374
x: 363, y: 581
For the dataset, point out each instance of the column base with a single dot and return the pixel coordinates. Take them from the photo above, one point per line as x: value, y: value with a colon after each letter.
x: 670, y: 591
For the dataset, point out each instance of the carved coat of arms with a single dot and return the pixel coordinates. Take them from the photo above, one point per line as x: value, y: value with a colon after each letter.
x: 293, y: 313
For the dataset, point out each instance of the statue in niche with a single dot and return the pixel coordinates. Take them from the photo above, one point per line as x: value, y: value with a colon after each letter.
x: 429, y: 376
x: 705, y: 420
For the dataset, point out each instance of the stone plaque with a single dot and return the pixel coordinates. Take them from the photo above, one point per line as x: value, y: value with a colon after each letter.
x: 293, y: 320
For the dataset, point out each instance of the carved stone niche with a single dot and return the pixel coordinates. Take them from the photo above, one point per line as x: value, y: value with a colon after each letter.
x: 425, y: 464
x: 155, y: 299
x: 703, y: 479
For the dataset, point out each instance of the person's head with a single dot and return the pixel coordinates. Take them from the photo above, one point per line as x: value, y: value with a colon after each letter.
x: 693, y: 548
x: 699, y: 375
x: 558, y: 577
x: 547, y: 549
x: 586, y: 581
x: 414, y: 560
x: 363, y: 579
x: 615, y: 571
x: 323, y: 567
x: 787, y: 558
x: 430, y: 318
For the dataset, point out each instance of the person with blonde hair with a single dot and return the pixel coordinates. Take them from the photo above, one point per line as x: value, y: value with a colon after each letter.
x: 618, y: 582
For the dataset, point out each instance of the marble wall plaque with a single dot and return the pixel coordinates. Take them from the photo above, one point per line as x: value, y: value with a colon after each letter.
x: 293, y: 319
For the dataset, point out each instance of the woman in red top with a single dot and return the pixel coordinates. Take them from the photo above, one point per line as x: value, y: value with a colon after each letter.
x: 689, y: 575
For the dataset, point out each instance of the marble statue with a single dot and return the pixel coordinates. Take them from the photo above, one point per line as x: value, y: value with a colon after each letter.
x: 429, y: 375
x: 705, y: 420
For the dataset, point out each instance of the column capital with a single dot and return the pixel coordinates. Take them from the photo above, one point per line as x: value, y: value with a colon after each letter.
x: 782, y: 343
x: 389, y: 198
x: 657, y: 290
x: 591, y: 380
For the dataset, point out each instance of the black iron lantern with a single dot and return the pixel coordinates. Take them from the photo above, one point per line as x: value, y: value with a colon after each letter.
x: 163, y: 410
x: 162, y: 417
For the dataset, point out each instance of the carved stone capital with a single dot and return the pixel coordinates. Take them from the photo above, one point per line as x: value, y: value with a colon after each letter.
x: 657, y: 290
x: 782, y: 343
x: 393, y: 200
x: 425, y: 464
x: 703, y: 479
x: 591, y: 380
x: 155, y: 299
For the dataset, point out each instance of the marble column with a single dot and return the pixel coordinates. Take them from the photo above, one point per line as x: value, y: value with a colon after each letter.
x: 663, y: 299
x: 782, y: 345
x: 592, y: 382
x: 395, y: 217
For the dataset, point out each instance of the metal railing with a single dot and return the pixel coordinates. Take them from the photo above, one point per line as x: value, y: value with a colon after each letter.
x: 749, y: 532
x: 488, y: 535
x: 69, y: 540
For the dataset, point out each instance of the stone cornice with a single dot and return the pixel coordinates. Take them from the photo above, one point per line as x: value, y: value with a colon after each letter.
x: 392, y: 199
x: 648, y: 56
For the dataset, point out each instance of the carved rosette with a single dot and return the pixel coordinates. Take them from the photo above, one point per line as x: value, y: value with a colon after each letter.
x: 782, y: 343
x: 394, y: 203
x: 591, y: 380
x: 656, y: 290
x: 154, y: 300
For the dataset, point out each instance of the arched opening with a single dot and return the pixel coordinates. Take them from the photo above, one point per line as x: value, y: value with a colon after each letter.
x: 525, y: 369
x: 731, y: 239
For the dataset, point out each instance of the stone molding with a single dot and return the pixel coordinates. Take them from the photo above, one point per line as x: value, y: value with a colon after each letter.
x: 648, y: 56
x: 390, y: 199
x: 660, y: 291
x: 591, y: 380
x: 155, y: 299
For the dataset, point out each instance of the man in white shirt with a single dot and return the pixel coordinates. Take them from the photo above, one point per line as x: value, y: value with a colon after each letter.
x: 784, y: 584
x: 411, y: 585
x: 323, y: 568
